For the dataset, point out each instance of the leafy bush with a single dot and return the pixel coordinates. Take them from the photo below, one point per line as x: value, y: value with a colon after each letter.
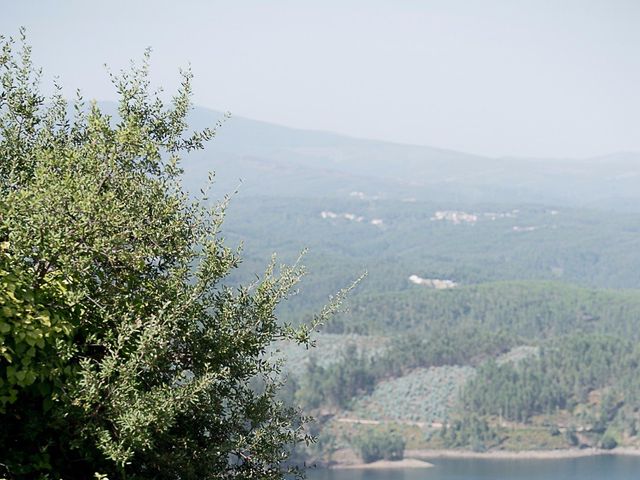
x: 470, y: 432
x: 35, y: 333
x: 571, y: 436
x: 608, y: 442
x: 424, y: 395
x: 121, y: 351
x: 379, y: 444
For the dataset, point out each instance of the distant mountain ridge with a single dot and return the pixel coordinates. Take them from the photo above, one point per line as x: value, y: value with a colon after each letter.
x: 315, y: 163
x: 275, y: 160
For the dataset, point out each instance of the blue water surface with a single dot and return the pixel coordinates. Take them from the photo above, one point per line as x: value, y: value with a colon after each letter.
x: 613, y: 467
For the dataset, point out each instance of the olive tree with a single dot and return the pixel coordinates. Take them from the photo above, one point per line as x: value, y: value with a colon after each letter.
x: 123, y: 352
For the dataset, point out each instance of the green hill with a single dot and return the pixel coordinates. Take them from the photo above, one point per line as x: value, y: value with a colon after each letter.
x: 535, y: 343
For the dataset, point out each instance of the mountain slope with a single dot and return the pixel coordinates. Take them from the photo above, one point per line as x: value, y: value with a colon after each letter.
x: 277, y: 160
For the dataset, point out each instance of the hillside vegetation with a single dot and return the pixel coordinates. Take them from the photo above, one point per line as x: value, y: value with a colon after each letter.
x: 501, y: 309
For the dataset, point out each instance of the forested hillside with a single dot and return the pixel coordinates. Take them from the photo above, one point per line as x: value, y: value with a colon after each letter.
x: 500, y: 309
x: 466, y: 243
x: 477, y: 327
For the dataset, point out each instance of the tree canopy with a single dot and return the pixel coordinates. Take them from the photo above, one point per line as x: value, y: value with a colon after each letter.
x: 123, y: 352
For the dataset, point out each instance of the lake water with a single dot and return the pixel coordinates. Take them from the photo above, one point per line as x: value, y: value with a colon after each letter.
x: 587, y: 468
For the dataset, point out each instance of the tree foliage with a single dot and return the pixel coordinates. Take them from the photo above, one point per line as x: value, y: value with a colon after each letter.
x: 379, y: 444
x: 337, y: 384
x: 470, y: 432
x: 122, y: 349
x: 561, y: 376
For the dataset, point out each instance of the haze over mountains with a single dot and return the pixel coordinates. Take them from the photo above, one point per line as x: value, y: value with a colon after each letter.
x: 281, y: 161
x: 400, y: 210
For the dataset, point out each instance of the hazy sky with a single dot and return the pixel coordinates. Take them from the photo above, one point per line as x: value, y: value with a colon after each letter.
x: 532, y: 78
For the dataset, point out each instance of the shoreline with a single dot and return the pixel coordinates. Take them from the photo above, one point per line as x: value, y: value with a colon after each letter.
x: 522, y: 454
x: 384, y: 465
x: 423, y: 458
